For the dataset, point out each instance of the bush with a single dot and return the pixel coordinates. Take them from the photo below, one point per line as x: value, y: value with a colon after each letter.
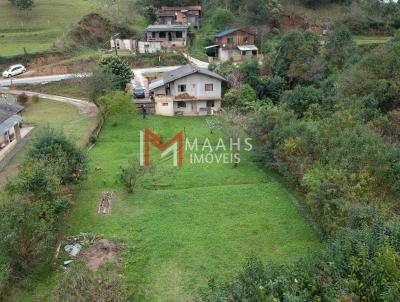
x: 92, y: 139
x: 300, y: 99
x: 362, y: 264
x: 67, y: 159
x: 115, y: 103
x: 25, y: 237
x: 130, y: 174
x: 35, y: 99
x: 22, y: 99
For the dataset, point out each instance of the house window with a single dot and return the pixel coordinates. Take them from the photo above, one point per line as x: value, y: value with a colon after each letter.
x: 162, y: 34
x: 153, y: 34
x: 182, y: 88
x: 231, y: 40
x: 181, y: 104
x: 209, y: 87
x: 178, y: 35
x: 210, y: 104
x: 165, y: 104
x: 245, y: 39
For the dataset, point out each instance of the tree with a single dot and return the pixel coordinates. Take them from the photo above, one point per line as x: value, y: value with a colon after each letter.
x: 118, y: 68
x: 260, y: 12
x: 240, y: 98
x: 221, y: 18
x: 115, y: 103
x: 377, y: 74
x: 296, y: 56
x: 150, y: 14
x: 68, y: 160
x: 100, y: 83
x: 300, y: 99
x: 233, y: 124
x: 24, y: 237
x: 339, y: 46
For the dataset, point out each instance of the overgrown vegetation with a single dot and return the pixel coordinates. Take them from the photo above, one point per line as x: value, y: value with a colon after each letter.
x: 321, y: 116
x: 38, y: 197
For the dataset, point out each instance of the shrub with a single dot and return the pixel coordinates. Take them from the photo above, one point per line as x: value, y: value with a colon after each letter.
x: 300, y: 99
x: 361, y: 264
x: 22, y: 99
x: 92, y: 139
x: 115, y: 103
x: 25, y: 237
x: 35, y: 99
x: 67, y: 159
x: 130, y: 174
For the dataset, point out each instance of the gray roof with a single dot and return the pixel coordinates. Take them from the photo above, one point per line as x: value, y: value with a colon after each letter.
x: 182, y: 72
x: 8, y: 110
x: 167, y: 27
x: 9, y: 123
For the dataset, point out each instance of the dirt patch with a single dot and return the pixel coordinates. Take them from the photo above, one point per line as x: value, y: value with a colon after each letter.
x: 100, y: 252
x: 46, y: 59
x: 106, y: 201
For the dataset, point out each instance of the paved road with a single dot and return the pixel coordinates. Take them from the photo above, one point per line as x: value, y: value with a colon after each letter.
x: 139, y: 79
x: 42, y: 79
x: 196, y: 61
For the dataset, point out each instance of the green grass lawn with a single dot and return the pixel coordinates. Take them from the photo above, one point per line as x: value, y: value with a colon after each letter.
x: 56, y: 115
x: 69, y: 88
x: 199, y: 222
x: 36, y: 30
x: 364, y: 40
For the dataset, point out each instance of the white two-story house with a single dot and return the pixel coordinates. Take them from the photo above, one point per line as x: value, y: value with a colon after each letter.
x: 188, y: 90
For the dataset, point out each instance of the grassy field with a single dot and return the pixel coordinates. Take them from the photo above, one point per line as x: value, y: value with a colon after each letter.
x: 56, y: 115
x: 69, y: 88
x: 364, y: 40
x: 198, y: 222
x: 36, y: 30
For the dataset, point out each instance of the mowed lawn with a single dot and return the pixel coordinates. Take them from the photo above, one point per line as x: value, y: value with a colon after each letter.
x: 57, y: 115
x: 192, y: 224
x: 189, y: 225
x: 38, y: 29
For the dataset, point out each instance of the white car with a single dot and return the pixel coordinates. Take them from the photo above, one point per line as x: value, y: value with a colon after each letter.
x: 14, y: 70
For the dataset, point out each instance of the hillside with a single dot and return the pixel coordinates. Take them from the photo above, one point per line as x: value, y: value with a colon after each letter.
x: 38, y: 29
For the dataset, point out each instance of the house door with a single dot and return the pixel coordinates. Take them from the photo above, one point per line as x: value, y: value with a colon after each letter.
x: 169, y: 36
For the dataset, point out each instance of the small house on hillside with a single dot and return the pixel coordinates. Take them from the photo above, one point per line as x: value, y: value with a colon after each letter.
x: 10, y: 124
x: 188, y: 90
x: 189, y: 15
x: 168, y: 35
x: 123, y: 44
x: 233, y: 43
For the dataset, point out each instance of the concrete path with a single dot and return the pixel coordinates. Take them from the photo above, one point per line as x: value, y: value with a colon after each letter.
x: 85, y: 108
x: 196, y: 61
